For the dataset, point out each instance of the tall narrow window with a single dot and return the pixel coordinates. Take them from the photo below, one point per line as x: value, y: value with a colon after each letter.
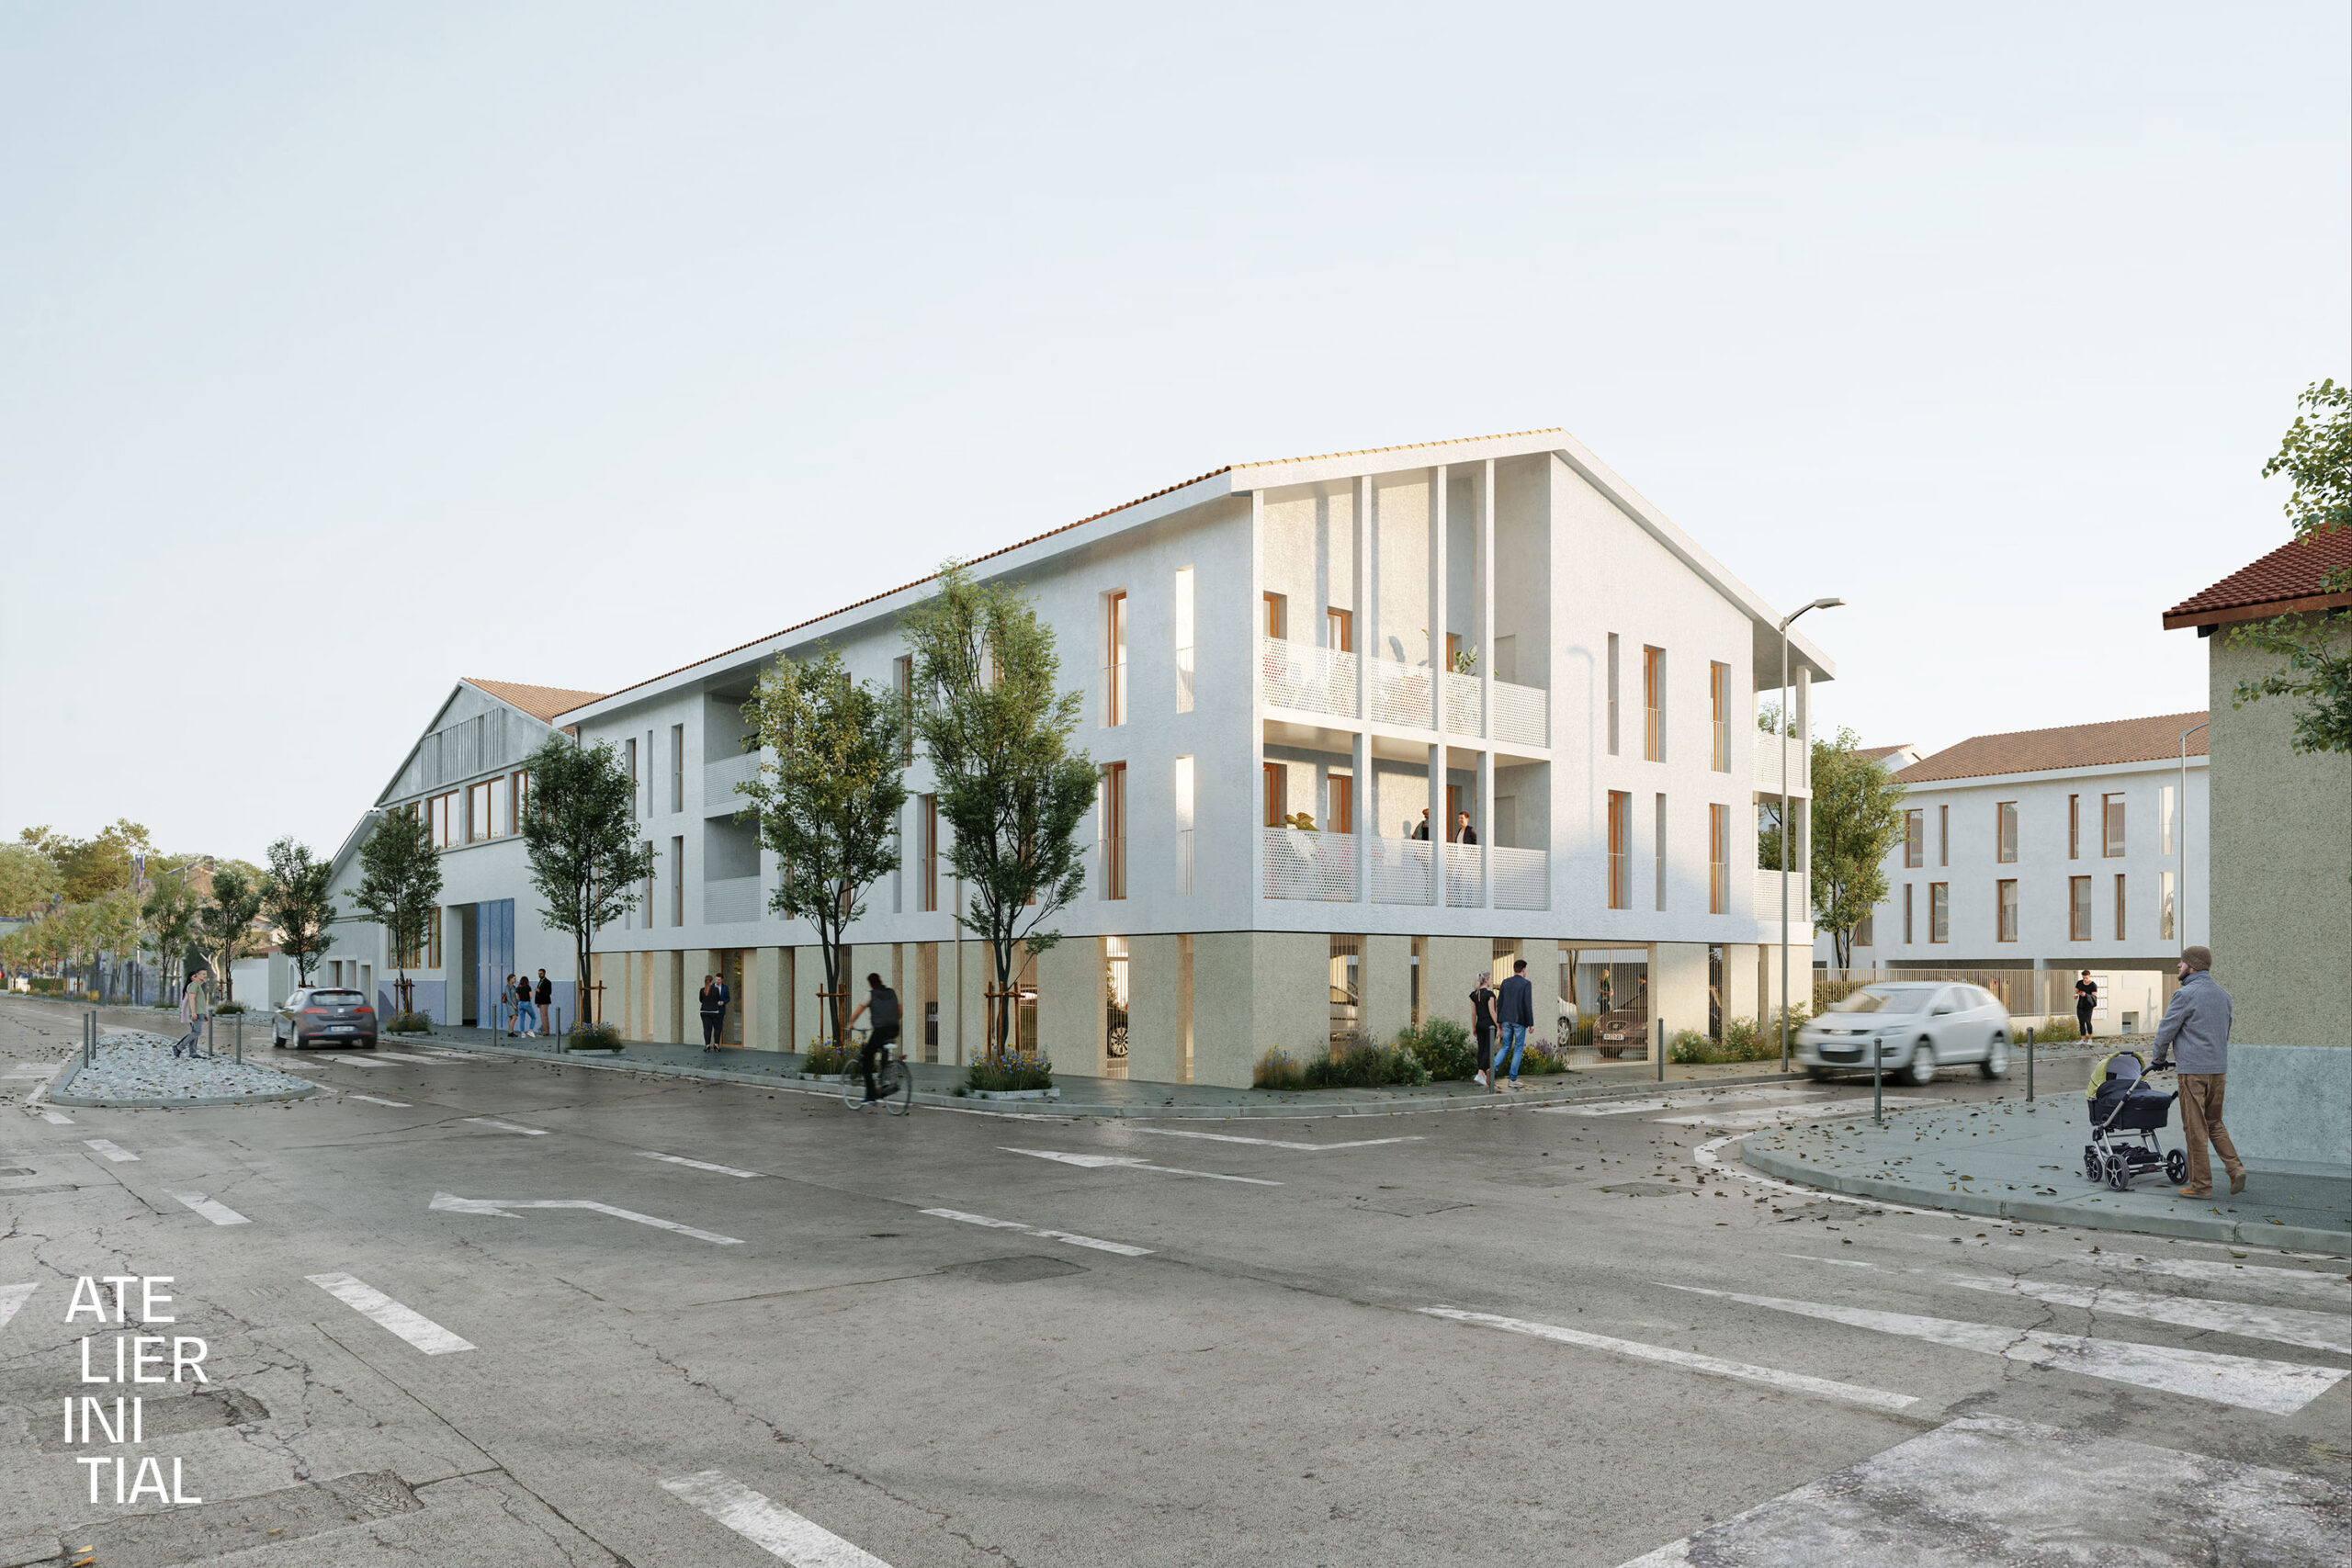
x: 1184, y: 825
x: 2112, y: 824
x: 1938, y: 911
x: 1621, y: 806
x: 1454, y: 651
x: 1277, y: 619
x: 2164, y: 819
x: 1658, y: 837
x: 2005, y: 828
x: 652, y: 876
x: 1612, y: 693
x: 1277, y: 788
x: 2078, y: 908
x: 1913, y: 840
x: 521, y: 784
x: 2167, y: 926
x: 1184, y: 639
x: 1943, y: 835
x: 678, y: 882
x: 1114, y: 830
x: 1653, y: 704
x: 2005, y: 904
x: 1719, y: 704
x: 902, y: 676
x: 634, y: 801
x: 1908, y: 939
x: 1718, y: 859
x: 2074, y: 827
x: 2118, y: 906
x: 1114, y: 658
x: 1866, y: 932
x: 928, y: 806
x: 1341, y: 817
x: 1338, y: 631
x: 677, y: 767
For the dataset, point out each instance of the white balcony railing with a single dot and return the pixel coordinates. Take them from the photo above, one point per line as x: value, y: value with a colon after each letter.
x: 1464, y: 878
x: 1522, y: 878
x: 1522, y: 714
x: 1768, y: 766
x: 1309, y: 679
x: 1766, y: 899
x: 1465, y: 704
x: 731, y: 900
x: 1400, y: 871
x: 1400, y: 694
x: 1300, y: 864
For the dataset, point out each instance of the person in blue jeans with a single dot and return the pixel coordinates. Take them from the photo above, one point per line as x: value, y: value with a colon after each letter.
x: 1514, y: 1013
x: 526, y: 1016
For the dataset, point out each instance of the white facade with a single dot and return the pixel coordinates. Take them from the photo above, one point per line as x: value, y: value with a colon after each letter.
x: 1224, y: 930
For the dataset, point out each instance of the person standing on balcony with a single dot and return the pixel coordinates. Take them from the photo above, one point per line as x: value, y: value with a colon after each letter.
x: 1482, y: 1024
x: 1465, y: 834
x: 1515, y: 1013
x: 1423, y: 832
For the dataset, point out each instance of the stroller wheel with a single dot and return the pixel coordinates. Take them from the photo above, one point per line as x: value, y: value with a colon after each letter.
x: 2177, y: 1166
x: 2118, y: 1174
x: 2090, y: 1163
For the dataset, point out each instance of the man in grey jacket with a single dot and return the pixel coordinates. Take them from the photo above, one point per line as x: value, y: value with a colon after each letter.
x: 2196, y: 1029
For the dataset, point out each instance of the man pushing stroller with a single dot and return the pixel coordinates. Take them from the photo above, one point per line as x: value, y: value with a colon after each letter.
x: 2196, y: 1031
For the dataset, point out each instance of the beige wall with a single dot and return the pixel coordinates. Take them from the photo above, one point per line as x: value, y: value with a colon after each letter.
x: 1454, y: 966
x: 768, y: 999
x: 1678, y: 988
x: 1740, y: 1000
x: 1387, y: 969
x: 1069, y: 1005
x: 1155, y: 1047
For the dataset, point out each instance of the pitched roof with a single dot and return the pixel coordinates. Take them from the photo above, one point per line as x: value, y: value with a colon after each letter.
x: 2289, y: 579
x: 542, y: 703
x: 1874, y: 753
x: 2068, y: 746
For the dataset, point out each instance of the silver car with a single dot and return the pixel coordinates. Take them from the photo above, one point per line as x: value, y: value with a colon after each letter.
x: 324, y: 1015
x: 1914, y: 1027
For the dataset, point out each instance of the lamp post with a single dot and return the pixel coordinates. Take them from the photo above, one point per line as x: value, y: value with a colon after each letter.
x: 2180, y: 897
x: 1786, y: 839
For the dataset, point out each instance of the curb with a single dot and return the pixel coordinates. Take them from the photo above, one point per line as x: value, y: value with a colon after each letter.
x: 51, y: 1094
x: 2256, y: 1233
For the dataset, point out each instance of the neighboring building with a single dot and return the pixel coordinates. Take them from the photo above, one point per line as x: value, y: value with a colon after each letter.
x: 1267, y: 640
x: 1894, y: 759
x: 2281, y: 860
x: 2051, y: 849
x: 465, y: 777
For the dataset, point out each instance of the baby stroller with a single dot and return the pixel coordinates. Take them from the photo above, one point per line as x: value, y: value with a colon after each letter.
x: 2126, y: 1115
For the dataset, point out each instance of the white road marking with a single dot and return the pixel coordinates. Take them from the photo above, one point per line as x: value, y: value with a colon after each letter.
x: 507, y: 1126
x: 1677, y: 1102
x: 56, y: 1118
x: 409, y: 1325
x: 2279, y: 1388
x: 2330, y: 1288
x: 1779, y: 1115
x: 1098, y: 1162
x: 1122, y: 1248
x: 353, y: 1061
x: 500, y: 1207
x: 2288, y: 1325
x: 219, y: 1213
x: 1705, y: 1155
x: 1273, y: 1143
x: 773, y: 1528
x: 111, y: 1150
x: 12, y: 1297
x: 395, y: 1104
x: 384, y: 1055
x: 1850, y: 1394
x: 697, y: 1163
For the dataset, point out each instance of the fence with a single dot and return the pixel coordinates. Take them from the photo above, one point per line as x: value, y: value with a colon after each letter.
x: 1522, y: 878
x: 1309, y: 679
x: 1302, y: 864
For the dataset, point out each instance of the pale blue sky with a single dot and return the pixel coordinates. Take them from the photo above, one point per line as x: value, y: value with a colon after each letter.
x: 347, y: 350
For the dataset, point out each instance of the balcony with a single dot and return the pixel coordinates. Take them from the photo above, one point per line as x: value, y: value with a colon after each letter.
x: 1304, y: 864
x: 1522, y: 714
x: 1401, y: 693
x: 720, y: 778
x: 731, y: 900
x: 1464, y: 878
x: 1768, y: 766
x: 1304, y: 678
x: 1765, y: 900
x: 1465, y: 704
x: 1308, y: 679
x: 1522, y: 878
x: 1400, y: 871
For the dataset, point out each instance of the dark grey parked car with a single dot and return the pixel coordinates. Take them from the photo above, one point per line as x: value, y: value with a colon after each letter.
x: 323, y: 1016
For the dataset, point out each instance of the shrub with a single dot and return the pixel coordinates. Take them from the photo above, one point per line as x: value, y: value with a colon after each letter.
x: 1276, y: 1069
x: 1542, y: 1056
x: 594, y: 1037
x: 226, y: 1009
x: 1743, y: 1040
x: 827, y: 1058
x: 1443, y: 1047
x: 409, y: 1023
x: 1006, y: 1075
x: 1366, y: 1067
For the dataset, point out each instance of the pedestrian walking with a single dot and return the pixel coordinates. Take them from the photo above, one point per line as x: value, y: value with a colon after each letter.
x: 527, y: 1014
x: 1514, y: 1015
x: 2196, y: 1025
x: 713, y: 1010
x: 1482, y: 1024
x: 2086, y: 1003
x: 196, y: 1006
x: 540, y: 999
x: 882, y: 1003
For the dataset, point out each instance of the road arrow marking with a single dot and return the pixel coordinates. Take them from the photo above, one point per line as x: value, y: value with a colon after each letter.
x: 409, y: 1324
x: 111, y: 1150
x: 697, y: 1163
x: 219, y: 1213
x: 1097, y: 1162
x: 500, y: 1208
x: 773, y: 1528
x: 507, y: 1126
x: 1122, y: 1248
x: 1272, y: 1143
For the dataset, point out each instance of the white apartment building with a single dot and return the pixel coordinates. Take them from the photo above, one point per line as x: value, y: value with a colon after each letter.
x: 1287, y: 664
x: 2053, y: 850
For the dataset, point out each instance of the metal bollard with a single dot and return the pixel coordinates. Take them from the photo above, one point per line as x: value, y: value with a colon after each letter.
x: 1661, y: 1049
x: 211, y: 1021
x: 2029, y: 1065
x: 240, y: 1039
x: 1878, y: 1071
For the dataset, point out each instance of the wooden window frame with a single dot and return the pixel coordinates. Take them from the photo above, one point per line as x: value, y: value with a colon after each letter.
x: 1274, y: 615
x: 2078, y: 908
x: 2074, y: 827
x: 1613, y: 677
x: 2121, y: 905
x: 1342, y: 817
x: 678, y: 881
x: 930, y: 830
x: 1719, y: 704
x: 636, y: 805
x: 1943, y: 834
x: 1114, y: 658
x: 1658, y: 831
x: 1653, y: 704
x: 1909, y: 940
x: 1914, y: 840
x: 1718, y: 859
x: 1339, y: 630
x: 2005, y: 832
x: 677, y: 768
x: 2112, y: 826
x: 1620, y: 807
x: 1274, y: 786
x: 1938, y: 914
x: 1115, y: 830
x: 2005, y: 910
x: 902, y: 676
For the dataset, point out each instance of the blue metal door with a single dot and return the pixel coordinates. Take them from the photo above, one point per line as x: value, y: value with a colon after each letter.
x: 494, y: 948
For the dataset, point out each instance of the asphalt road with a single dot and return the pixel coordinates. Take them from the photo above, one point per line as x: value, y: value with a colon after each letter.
x: 790, y: 1332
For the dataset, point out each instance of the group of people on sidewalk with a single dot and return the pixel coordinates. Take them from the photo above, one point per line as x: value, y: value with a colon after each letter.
x: 1501, y: 1017
x: 530, y: 1003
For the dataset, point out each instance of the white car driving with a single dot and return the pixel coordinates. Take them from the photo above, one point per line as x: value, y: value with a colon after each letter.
x: 1914, y: 1027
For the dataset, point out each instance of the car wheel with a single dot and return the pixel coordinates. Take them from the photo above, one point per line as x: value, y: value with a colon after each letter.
x: 1921, y: 1071
x: 1564, y: 1035
x: 1996, y: 1057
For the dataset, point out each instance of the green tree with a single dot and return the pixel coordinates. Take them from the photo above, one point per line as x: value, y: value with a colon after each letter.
x: 400, y: 884
x: 1009, y: 785
x: 1857, y: 818
x: 297, y: 901
x: 828, y: 796
x: 116, y: 929
x: 225, y: 924
x: 587, y: 861
x: 2316, y: 455
x: 28, y: 879
x: 171, y: 912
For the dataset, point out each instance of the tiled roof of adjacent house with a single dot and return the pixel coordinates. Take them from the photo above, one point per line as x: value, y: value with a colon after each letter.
x: 2068, y: 746
x: 542, y: 703
x: 2289, y: 579
x: 1875, y: 753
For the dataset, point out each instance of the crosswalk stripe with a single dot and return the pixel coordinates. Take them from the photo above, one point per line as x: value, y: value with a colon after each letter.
x: 507, y: 1126
x: 354, y: 1061
x: 213, y: 1209
x: 1272, y: 1143
x: 394, y: 1104
x: 384, y: 1055
x: 2330, y: 1288
x: 1127, y: 1162
x: 1677, y: 1101
x: 1798, y: 1382
x: 409, y: 1324
x: 114, y: 1152
x: 770, y: 1526
x: 2288, y: 1325
x: 1775, y: 1115
x: 2277, y: 1388
x: 12, y: 1297
x: 1120, y: 1247
x: 56, y: 1118
x: 697, y: 1163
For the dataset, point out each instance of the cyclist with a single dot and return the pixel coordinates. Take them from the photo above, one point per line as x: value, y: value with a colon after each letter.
x: 883, y: 1002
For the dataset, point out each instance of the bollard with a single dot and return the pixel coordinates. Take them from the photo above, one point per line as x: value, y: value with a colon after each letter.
x: 2029, y: 1066
x: 211, y: 1021
x: 557, y: 1036
x: 240, y: 1039
x: 1661, y: 1049
x: 1878, y: 1070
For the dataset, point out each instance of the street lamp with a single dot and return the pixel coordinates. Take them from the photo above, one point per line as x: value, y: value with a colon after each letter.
x: 1786, y: 838
x: 2180, y: 898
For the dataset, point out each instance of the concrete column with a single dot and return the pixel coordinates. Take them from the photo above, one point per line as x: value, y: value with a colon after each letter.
x: 1452, y: 966
x: 1155, y: 1044
x: 1486, y: 815
x: 767, y: 999
x: 1678, y: 987
x: 1224, y: 1033
x: 1437, y: 825
x: 1257, y: 665
x: 1437, y: 616
x: 1386, y: 974
x: 1367, y: 604
x: 1486, y: 566
x: 1070, y: 1004
x: 1367, y: 818
x: 1740, y: 995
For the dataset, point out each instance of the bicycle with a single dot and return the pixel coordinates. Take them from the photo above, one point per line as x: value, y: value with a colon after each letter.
x: 894, y: 1081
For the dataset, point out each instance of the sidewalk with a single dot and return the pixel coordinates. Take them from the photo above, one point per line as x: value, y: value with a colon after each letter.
x: 2021, y: 1160
x: 1082, y: 1096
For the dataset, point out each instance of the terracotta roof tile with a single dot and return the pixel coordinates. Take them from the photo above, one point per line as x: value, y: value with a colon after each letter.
x: 2290, y: 576
x: 542, y: 703
x: 1872, y: 754
x: 2069, y: 746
